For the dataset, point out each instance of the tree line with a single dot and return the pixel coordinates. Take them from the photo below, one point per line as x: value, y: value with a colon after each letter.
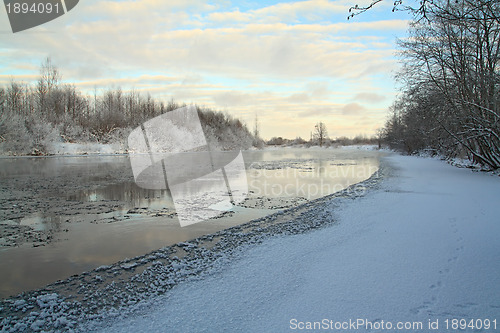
x: 319, y: 137
x: 450, y: 101
x: 32, y: 116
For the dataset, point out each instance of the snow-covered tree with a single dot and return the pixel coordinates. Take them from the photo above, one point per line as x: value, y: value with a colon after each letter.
x: 320, y: 133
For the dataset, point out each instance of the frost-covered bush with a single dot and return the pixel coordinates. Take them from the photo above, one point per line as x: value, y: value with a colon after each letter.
x: 223, y: 132
x: 74, y: 133
x: 117, y: 135
x: 299, y: 141
x: 27, y: 136
x: 15, y: 137
x: 42, y: 133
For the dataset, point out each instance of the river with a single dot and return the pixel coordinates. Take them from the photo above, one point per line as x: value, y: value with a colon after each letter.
x: 61, y: 216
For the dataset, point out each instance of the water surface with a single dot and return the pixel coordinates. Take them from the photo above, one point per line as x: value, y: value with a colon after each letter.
x: 78, y: 213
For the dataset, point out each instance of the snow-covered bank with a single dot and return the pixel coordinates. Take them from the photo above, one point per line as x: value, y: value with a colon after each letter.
x: 86, y: 148
x: 424, y: 247
x: 71, y: 149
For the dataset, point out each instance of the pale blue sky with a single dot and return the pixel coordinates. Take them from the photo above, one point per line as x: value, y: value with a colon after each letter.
x: 291, y: 63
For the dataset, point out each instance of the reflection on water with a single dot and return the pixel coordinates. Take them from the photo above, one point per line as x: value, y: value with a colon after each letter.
x: 128, y: 192
x: 309, y: 179
x: 41, y: 222
x: 108, y: 223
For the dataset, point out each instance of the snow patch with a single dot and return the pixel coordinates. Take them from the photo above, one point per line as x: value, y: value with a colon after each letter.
x: 66, y: 148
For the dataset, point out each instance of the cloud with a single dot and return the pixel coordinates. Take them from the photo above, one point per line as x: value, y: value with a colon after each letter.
x: 352, y: 109
x: 318, y: 89
x: 120, y: 9
x: 131, y: 81
x: 325, y: 108
x: 232, y: 98
x: 311, y: 10
x: 317, y: 111
x: 298, y: 98
x: 282, y: 12
x: 165, y: 41
x: 369, y: 97
x: 226, y: 17
x: 192, y: 78
x: 6, y: 80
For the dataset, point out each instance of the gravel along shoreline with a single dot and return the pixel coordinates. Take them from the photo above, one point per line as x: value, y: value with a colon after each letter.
x: 120, y: 288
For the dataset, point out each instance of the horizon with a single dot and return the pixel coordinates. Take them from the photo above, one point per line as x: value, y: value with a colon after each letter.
x: 291, y: 64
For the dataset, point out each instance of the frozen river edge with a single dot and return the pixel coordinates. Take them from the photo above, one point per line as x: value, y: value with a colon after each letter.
x: 121, y: 287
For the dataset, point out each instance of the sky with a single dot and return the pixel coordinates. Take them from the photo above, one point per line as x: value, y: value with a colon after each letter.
x: 290, y: 64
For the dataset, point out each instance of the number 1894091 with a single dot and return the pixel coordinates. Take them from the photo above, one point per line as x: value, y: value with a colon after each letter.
x: 34, y: 8
x: 474, y: 324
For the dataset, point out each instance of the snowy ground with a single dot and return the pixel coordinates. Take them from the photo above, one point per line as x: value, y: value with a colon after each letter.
x: 86, y: 148
x: 423, y: 248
